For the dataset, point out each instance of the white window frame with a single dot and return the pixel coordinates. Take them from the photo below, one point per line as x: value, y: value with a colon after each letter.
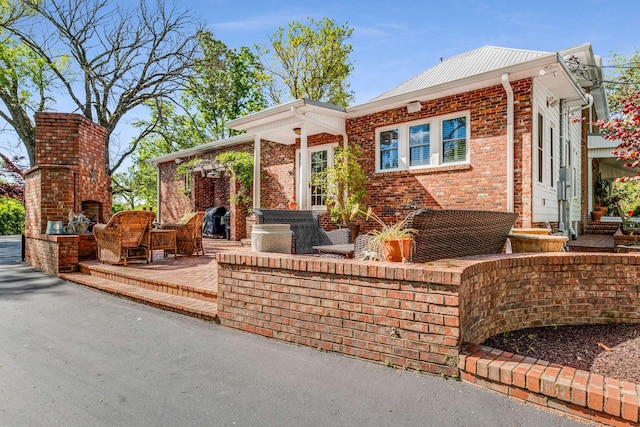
x: 330, y: 148
x: 435, y: 142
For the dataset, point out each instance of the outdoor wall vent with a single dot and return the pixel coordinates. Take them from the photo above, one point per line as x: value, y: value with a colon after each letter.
x: 414, y: 107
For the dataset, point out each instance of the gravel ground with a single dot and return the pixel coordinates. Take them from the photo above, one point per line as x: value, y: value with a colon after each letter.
x: 612, y: 350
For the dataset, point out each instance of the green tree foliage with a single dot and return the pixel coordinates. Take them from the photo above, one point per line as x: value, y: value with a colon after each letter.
x: 11, y: 216
x: 227, y: 84
x: 107, y: 59
x: 623, y: 80
x: 308, y: 61
x: 239, y: 167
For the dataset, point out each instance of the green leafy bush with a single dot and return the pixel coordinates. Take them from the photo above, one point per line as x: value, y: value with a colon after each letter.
x: 11, y: 216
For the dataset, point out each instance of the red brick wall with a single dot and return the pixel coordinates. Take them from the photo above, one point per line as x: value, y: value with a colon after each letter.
x: 53, y: 254
x: 480, y: 185
x: 278, y: 175
x: 345, y: 306
x: 351, y: 306
x: 206, y: 192
x: 544, y: 290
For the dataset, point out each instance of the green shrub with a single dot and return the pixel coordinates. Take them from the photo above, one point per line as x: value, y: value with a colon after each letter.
x: 11, y: 216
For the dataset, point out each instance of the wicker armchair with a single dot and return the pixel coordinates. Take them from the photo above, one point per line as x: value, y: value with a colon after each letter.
x: 188, y: 233
x: 451, y: 233
x: 307, y: 231
x: 125, y: 237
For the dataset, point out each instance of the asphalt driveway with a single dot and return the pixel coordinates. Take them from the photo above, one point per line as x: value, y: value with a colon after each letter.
x: 72, y: 356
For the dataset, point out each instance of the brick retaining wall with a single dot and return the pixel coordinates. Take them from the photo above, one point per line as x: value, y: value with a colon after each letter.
x: 345, y: 306
x: 420, y: 316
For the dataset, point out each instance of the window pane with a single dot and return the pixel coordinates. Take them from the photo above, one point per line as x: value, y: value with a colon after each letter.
x: 389, y: 149
x: 319, y: 162
x: 454, y: 139
x: 419, y: 151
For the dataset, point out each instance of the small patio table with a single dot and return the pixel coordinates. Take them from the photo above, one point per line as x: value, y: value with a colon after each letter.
x: 165, y: 240
x: 346, y: 249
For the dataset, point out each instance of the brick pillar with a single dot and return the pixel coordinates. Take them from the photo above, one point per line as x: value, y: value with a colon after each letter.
x: 238, y: 214
x: 70, y: 169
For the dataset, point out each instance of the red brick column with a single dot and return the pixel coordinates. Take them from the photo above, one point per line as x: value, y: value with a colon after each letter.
x: 70, y: 169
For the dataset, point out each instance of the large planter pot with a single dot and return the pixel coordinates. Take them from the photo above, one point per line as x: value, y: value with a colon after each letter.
x: 396, y: 250
x: 596, y: 215
x: 521, y: 243
x: 540, y: 231
x: 271, y: 238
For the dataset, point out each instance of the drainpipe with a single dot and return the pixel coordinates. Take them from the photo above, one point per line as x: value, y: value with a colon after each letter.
x: 510, y: 151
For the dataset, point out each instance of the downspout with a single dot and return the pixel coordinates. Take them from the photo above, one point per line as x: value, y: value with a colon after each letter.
x: 589, y: 175
x: 510, y: 151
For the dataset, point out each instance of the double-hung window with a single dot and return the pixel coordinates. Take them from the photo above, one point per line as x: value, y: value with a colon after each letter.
x: 419, y: 145
x: 424, y: 143
x: 389, y: 149
x: 454, y: 140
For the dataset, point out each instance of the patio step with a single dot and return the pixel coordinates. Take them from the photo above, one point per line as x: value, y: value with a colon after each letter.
x: 151, y: 279
x: 162, y: 298
x: 599, y: 227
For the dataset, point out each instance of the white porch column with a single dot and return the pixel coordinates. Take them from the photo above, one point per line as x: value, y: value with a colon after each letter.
x: 303, y: 185
x: 256, y: 172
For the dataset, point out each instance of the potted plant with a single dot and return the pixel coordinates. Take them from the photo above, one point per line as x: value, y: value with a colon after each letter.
x: 391, y: 242
x: 345, y: 186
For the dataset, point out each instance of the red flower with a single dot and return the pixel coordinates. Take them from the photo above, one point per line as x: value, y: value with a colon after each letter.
x: 629, y: 213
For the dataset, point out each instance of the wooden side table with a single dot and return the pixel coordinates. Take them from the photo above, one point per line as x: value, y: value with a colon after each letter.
x: 163, y: 240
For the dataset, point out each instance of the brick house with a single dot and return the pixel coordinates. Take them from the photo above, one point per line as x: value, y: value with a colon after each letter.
x: 489, y: 129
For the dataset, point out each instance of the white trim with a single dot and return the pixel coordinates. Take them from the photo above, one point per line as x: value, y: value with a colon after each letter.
x: 256, y: 172
x: 330, y: 149
x: 435, y: 142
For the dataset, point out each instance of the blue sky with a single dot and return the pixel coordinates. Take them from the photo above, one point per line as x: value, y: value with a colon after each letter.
x: 395, y: 40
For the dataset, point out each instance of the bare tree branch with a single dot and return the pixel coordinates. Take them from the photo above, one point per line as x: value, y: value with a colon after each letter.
x: 109, y: 58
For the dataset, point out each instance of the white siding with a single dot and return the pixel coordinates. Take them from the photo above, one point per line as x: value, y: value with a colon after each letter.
x: 544, y: 194
x: 575, y: 135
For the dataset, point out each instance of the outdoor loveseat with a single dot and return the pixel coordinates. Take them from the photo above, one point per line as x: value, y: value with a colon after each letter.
x: 307, y: 231
x: 451, y: 233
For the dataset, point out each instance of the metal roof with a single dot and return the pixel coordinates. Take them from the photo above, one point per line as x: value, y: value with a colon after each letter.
x: 466, y: 64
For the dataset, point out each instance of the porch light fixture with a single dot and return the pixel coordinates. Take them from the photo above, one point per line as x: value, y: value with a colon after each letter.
x: 551, y: 101
x: 297, y: 131
x: 414, y: 107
